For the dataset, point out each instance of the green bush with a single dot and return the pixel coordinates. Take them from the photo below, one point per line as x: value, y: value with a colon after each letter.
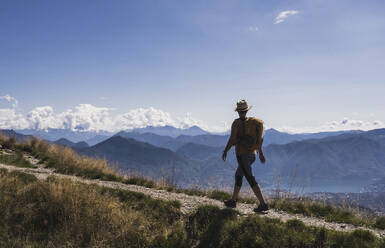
x: 142, y: 181
x: 320, y: 210
x: 15, y: 159
x: 205, y: 224
x: 380, y: 223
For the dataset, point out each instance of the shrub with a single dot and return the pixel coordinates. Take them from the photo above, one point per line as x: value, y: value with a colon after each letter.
x: 204, y: 225
x: 16, y: 159
x: 320, y: 210
x: 62, y: 213
x: 65, y: 160
x: 380, y: 223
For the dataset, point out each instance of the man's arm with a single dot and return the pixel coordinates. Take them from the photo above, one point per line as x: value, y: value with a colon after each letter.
x: 259, y: 142
x: 232, y: 140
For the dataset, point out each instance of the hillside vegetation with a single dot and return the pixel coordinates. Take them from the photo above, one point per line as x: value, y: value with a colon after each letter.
x: 62, y: 213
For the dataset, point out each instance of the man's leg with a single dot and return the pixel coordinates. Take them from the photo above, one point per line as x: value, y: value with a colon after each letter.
x: 238, y: 181
x: 236, y: 192
x: 245, y: 162
x: 237, y: 187
x: 258, y: 193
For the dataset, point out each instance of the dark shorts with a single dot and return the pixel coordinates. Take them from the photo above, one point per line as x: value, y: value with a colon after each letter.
x: 244, y: 169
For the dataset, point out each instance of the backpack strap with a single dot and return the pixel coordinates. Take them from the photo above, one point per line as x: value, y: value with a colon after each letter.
x: 243, y: 127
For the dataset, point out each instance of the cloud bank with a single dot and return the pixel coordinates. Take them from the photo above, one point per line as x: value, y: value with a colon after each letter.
x: 344, y: 124
x: 282, y: 16
x: 86, y: 117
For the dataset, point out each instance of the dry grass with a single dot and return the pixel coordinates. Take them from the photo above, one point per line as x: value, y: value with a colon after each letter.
x: 61, y: 213
x: 65, y: 160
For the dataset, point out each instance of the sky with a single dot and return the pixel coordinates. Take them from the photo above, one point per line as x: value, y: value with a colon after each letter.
x: 305, y: 66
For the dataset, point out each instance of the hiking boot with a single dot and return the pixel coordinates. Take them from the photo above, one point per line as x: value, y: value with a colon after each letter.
x: 261, y: 208
x: 230, y: 203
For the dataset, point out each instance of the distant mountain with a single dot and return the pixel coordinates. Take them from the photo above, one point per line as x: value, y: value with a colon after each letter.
x: 273, y: 136
x: 133, y: 152
x: 55, y: 134
x: 337, y: 163
x: 344, y: 158
x: 169, y: 130
x: 97, y: 139
x: 200, y: 152
x: 205, y: 139
x: 193, y: 134
x: 154, y: 139
x: 349, y: 158
x: 139, y: 157
x: 19, y: 137
x: 66, y: 142
x: 208, y: 145
x: 134, y: 156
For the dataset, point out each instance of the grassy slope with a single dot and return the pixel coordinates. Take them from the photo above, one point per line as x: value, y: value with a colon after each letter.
x: 61, y: 213
x: 65, y: 160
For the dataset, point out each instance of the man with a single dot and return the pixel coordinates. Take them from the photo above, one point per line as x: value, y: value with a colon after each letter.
x: 245, y: 155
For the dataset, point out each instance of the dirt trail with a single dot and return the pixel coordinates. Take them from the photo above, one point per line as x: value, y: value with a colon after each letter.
x: 188, y: 202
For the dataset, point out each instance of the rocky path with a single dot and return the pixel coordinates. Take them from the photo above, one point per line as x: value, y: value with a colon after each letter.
x: 188, y: 202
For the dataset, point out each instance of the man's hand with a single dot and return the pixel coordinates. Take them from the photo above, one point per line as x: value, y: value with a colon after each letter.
x: 224, y: 155
x: 262, y: 158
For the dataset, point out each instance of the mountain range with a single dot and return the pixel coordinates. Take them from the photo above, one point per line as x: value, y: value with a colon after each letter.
x: 52, y: 134
x: 329, y: 158
x: 342, y: 159
x: 11, y: 133
x: 137, y: 157
x: 271, y: 136
x: 66, y: 142
x: 92, y: 137
x: 348, y: 158
x: 170, y: 130
x: 168, y: 136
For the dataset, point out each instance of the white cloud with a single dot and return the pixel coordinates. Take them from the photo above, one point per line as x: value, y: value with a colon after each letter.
x: 344, y: 124
x: 10, y: 99
x: 282, y: 16
x: 11, y: 119
x: 188, y: 121
x: 86, y: 117
x: 141, y: 117
x: 43, y: 118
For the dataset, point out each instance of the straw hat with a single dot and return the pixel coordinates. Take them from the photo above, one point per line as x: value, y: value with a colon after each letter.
x: 242, y: 106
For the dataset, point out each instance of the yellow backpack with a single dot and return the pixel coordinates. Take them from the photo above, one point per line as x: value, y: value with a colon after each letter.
x: 251, y: 132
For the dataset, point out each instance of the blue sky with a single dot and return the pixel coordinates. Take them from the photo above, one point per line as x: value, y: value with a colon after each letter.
x: 321, y: 64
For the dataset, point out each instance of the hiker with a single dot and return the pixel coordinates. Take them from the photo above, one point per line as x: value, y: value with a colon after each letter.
x: 246, y: 135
